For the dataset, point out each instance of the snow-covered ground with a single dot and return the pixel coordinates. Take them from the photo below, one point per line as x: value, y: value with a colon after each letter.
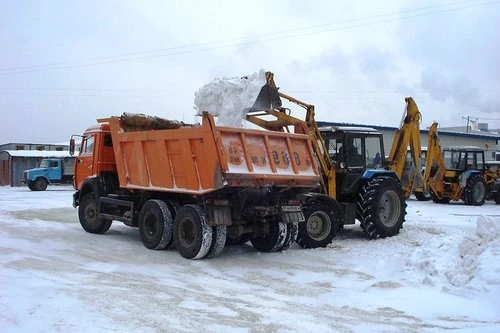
x: 441, y: 273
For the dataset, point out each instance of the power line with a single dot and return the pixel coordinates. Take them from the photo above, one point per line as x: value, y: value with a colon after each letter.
x: 292, y: 33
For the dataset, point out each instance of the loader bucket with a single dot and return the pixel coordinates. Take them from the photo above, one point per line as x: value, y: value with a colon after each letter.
x: 268, y: 97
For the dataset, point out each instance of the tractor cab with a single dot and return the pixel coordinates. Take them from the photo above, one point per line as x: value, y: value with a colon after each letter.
x: 460, y: 159
x: 354, y: 149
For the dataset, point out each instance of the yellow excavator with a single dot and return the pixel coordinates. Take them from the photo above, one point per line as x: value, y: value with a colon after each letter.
x: 352, y: 185
x: 405, y: 157
x: 456, y: 173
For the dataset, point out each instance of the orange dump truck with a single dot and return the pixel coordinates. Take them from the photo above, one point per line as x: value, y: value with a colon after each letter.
x: 198, y: 187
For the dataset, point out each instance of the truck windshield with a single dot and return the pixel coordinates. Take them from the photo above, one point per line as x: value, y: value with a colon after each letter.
x: 44, y: 164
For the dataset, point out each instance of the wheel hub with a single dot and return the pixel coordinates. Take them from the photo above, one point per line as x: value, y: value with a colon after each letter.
x: 389, y: 208
x: 318, y: 226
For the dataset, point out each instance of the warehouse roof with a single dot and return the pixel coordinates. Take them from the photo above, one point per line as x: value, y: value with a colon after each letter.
x: 441, y: 132
x: 37, y: 153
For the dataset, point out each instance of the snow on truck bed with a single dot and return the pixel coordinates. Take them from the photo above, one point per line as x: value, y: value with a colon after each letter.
x: 441, y: 273
x: 228, y: 97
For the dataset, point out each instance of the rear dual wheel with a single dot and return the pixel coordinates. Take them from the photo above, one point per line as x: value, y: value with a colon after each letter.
x: 279, y: 237
x: 156, y: 225
x: 193, y: 237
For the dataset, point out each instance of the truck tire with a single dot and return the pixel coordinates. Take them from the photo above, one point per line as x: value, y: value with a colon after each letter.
x: 291, y: 235
x: 192, y: 235
x: 382, y: 207
x: 218, y: 241
x: 173, y: 206
x: 31, y: 185
x: 319, y: 227
x: 87, y: 214
x: 273, y: 241
x: 475, y: 190
x: 41, y: 184
x: 156, y: 225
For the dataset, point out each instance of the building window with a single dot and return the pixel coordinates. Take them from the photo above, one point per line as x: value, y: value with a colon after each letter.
x: 20, y: 147
x: 40, y: 148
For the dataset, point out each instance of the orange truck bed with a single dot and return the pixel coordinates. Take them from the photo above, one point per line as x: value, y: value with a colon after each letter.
x: 201, y: 159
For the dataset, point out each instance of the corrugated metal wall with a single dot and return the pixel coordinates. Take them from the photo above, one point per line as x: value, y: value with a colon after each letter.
x: 19, y: 164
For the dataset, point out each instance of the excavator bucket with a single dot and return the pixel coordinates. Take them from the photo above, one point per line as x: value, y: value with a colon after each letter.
x: 268, y: 97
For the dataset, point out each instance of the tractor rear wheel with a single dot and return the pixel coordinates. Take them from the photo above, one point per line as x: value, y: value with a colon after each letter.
x: 319, y: 227
x: 475, y: 190
x: 382, y: 207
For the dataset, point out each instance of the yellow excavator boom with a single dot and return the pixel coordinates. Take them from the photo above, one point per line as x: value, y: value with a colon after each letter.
x: 408, y: 135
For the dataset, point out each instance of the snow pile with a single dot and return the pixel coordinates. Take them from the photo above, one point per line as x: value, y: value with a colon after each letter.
x: 227, y: 98
x: 477, y: 265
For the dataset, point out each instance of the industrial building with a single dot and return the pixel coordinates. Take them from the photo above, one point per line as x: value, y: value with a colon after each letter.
x: 17, y: 157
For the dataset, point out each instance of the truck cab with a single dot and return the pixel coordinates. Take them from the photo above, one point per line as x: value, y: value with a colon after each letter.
x: 95, y: 156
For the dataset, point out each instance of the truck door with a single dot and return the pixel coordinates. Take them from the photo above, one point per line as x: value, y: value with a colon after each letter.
x: 84, y: 165
x: 54, y: 170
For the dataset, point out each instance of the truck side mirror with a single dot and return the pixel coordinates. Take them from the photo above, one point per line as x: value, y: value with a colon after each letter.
x: 72, y: 146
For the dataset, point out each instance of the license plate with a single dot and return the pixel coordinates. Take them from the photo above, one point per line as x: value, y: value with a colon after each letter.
x: 291, y: 208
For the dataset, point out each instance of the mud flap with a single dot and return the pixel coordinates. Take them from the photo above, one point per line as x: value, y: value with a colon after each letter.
x: 349, y: 216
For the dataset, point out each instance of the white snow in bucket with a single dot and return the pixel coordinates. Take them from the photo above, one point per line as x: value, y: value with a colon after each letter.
x: 228, y: 98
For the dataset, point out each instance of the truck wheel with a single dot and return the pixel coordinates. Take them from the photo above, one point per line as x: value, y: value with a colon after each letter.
x: 319, y: 228
x: 475, y: 190
x: 41, y: 184
x: 31, y: 185
x: 273, y: 240
x: 292, y: 230
x: 173, y: 206
x: 156, y: 225
x: 218, y: 241
x: 192, y: 235
x: 382, y: 207
x: 87, y: 214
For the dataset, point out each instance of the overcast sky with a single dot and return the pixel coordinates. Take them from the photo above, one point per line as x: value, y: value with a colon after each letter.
x: 65, y: 63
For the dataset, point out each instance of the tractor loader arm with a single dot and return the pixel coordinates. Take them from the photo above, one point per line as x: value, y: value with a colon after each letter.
x: 268, y: 103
